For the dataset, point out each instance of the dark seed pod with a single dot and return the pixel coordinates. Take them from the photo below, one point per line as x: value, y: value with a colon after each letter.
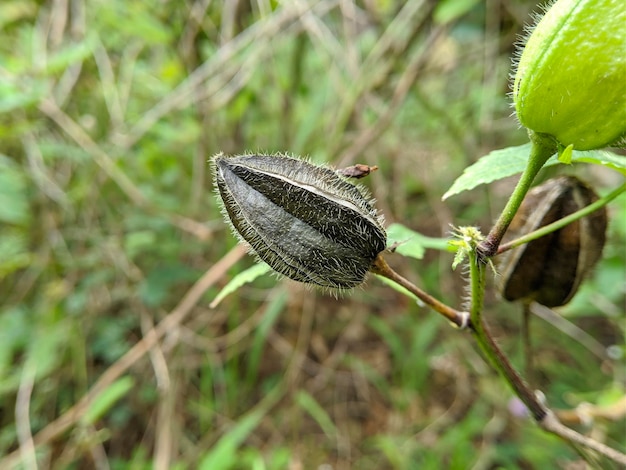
x: 549, y: 270
x: 304, y: 220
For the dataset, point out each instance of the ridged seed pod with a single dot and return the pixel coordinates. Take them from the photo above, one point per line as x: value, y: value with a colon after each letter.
x: 304, y: 220
x: 570, y: 81
x: 549, y: 270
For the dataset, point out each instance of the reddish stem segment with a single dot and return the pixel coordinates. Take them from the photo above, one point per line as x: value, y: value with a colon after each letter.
x: 459, y: 319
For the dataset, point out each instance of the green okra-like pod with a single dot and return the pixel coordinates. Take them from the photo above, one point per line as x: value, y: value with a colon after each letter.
x: 570, y: 81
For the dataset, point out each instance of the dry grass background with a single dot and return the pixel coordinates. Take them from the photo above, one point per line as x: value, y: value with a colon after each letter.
x: 113, y: 246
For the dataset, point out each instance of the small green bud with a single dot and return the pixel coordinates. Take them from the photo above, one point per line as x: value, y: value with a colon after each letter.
x: 304, y: 220
x: 571, y: 77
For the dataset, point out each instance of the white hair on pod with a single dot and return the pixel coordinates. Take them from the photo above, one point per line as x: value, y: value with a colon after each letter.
x: 304, y: 220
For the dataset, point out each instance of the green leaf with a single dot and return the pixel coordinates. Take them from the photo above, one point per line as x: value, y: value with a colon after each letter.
x: 132, y: 19
x: 397, y: 287
x: 450, y: 10
x: 161, y: 280
x: 261, y: 333
x: 565, y: 155
x: 493, y: 166
x: 14, y: 334
x: 13, y: 198
x: 612, y: 395
x: 136, y: 243
x: 72, y: 54
x: 107, y: 398
x: 509, y: 161
x: 15, y: 254
x: 223, y: 454
x: 239, y: 280
x: 411, y: 243
x: 13, y: 97
x: 313, y: 408
x: 16, y: 10
x: 602, y: 157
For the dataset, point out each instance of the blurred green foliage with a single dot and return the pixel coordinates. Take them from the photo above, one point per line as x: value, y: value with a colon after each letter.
x: 109, y: 111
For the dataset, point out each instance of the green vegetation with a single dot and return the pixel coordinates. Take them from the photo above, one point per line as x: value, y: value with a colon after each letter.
x: 112, y: 246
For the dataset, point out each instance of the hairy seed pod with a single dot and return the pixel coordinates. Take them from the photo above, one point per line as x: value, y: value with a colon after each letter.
x: 304, y: 220
x: 549, y: 270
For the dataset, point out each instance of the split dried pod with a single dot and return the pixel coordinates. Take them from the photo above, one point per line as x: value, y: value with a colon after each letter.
x: 549, y: 270
x: 304, y: 220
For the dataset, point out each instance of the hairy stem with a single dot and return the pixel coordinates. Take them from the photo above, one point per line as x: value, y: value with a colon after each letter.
x: 473, y: 320
x: 380, y: 267
x: 542, y: 415
x: 542, y: 148
x: 489, y: 346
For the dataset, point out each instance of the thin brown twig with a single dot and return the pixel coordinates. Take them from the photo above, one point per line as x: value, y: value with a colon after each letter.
x: 106, y: 162
x: 405, y: 84
x: 586, y: 413
x: 164, y: 432
x: 102, y: 159
x: 22, y: 418
x: 551, y: 424
x: 156, y: 354
x: 570, y: 329
x: 456, y: 317
x: 392, y: 44
x: 281, y: 19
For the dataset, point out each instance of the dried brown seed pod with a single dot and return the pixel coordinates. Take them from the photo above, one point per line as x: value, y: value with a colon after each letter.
x: 304, y: 220
x: 549, y: 270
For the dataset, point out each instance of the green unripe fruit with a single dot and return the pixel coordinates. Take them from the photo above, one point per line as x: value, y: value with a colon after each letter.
x: 571, y: 76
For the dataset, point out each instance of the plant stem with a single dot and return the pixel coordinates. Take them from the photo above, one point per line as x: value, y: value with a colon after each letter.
x: 554, y: 226
x: 380, y: 267
x: 542, y: 415
x: 473, y: 320
x: 543, y: 147
x: 488, y: 345
x: 552, y: 424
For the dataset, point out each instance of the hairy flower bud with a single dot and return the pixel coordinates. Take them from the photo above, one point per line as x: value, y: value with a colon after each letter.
x: 549, y: 270
x: 304, y: 220
x: 571, y: 77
